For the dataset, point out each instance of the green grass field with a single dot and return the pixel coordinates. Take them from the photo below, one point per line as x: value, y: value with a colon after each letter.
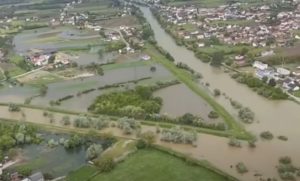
x: 82, y: 174
x: 149, y: 165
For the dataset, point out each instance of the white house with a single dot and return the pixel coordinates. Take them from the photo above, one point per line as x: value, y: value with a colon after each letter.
x: 267, y: 53
x: 200, y: 45
x: 283, y: 71
x: 145, y: 57
x: 260, y: 65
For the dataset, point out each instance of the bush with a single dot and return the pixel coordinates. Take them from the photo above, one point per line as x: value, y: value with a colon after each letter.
x: 66, y: 121
x: 234, y: 142
x: 148, y: 137
x: 133, y: 103
x: 24, y: 170
x: 241, y: 168
x: 93, y: 151
x: 285, y: 160
x: 283, y: 138
x: 266, y: 135
x: 217, y: 92
x: 105, y: 164
x: 213, y: 115
x: 251, y: 143
x: 177, y: 135
x: 13, y: 108
x: 141, y: 144
x: 128, y: 125
x: 246, y: 115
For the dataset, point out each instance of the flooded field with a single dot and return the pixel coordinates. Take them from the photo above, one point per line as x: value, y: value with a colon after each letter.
x: 47, y: 38
x: 179, y: 99
x: 17, y: 94
x: 72, y: 87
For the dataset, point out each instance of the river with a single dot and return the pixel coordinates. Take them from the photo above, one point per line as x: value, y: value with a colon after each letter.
x: 279, y: 117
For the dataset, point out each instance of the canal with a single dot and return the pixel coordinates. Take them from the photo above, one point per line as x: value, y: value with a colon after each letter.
x: 279, y: 117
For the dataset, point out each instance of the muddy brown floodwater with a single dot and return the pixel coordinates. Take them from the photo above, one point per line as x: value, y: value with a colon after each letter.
x: 279, y: 117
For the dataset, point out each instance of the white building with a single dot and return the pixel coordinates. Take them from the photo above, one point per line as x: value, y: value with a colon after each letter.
x: 259, y: 65
x: 283, y: 71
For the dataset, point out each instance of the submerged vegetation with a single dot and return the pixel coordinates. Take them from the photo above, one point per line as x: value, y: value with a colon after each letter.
x: 133, y: 103
x: 267, y: 90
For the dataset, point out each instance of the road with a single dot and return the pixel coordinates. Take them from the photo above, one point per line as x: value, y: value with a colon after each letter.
x: 7, y: 165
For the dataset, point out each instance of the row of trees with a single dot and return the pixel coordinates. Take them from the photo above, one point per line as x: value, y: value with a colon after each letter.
x: 128, y: 125
x: 88, y: 122
x: 178, y: 135
x: 186, y: 119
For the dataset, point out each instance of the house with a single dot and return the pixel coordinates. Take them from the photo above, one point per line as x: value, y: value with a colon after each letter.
x: 62, y: 58
x: 267, y: 53
x: 35, y: 177
x: 200, y: 45
x: 145, y: 57
x: 289, y: 84
x: 239, y: 57
x: 39, y: 60
x: 260, y: 65
x: 262, y: 73
x: 283, y: 71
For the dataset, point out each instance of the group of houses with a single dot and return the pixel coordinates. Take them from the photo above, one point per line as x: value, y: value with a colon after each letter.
x: 289, y: 80
x: 40, y: 58
x: 233, y: 24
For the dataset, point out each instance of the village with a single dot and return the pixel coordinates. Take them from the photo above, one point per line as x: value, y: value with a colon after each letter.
x: 261, y: 34
x: 237, y: 24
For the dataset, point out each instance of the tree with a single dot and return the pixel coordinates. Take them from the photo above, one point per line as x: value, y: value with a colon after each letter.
x: 144, y: 92
x: 152, y: 68
x: 266, y: 135
x: 93, y: 151
x: 148, y: 137
x: 43, y: 90
x: 66, y: 120
x: 100, y: 53
x: 105, y: 164
x: 241, y: 168
x: 217, y: 92
x: 213, y: 115
x: 265, y: 79
x: 217, y: 58
x: 244, y: 51
x: 6, y: 74
x: 187, y: 118
x: 6, y: 142
x: 24, y: 170
x: 272, y: 82
x: 13, y: 108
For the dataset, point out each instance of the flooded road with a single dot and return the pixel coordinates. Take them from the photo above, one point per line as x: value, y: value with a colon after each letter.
x: 279, y: 117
